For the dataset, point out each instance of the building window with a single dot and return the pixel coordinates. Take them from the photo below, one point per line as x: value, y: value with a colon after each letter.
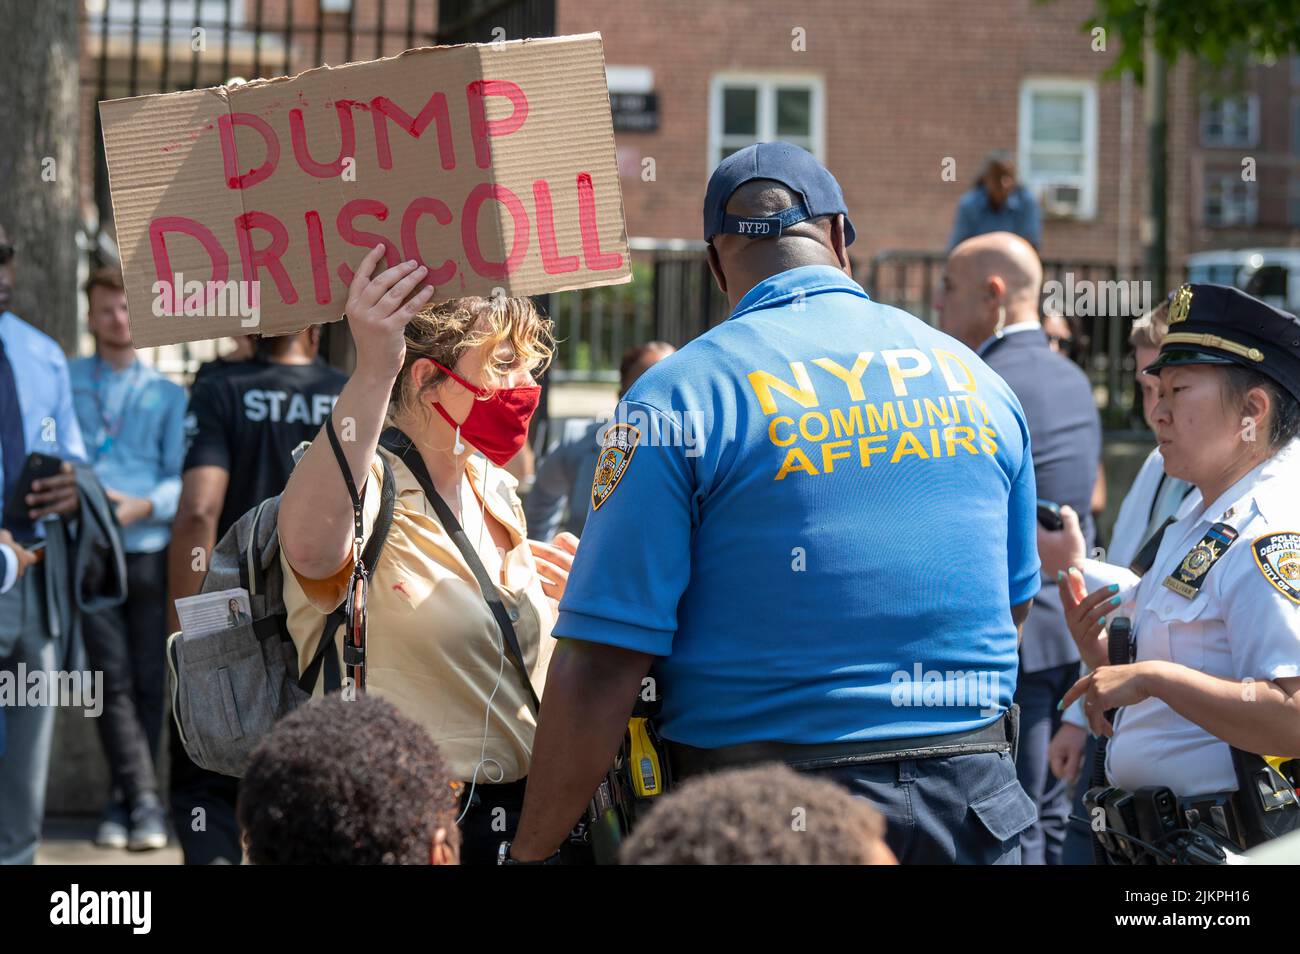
x: 1230, y: 120
x: 1057, y: 153
x: 1229, y: 200
x: 746, y: 108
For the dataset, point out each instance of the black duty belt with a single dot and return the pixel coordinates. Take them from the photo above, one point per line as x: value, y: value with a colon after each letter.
x: 998, y: 736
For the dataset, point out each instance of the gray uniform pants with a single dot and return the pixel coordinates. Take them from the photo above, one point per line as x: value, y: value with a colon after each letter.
x: 29, y: 730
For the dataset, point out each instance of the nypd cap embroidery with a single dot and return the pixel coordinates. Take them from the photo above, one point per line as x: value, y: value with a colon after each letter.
x: 1187, y: 579
x: 616, y: 453
x: 1278, y: 557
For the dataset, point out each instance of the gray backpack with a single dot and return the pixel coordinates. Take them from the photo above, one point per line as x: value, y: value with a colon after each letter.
x: 230, y: 686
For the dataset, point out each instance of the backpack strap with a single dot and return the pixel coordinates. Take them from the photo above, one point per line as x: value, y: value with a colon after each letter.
x: 399, y: 444
x: 370, y: 555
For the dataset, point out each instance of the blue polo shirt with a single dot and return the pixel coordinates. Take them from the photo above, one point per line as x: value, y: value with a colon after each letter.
x: 818, y: 515
x: 133, y: 422
x: 975, y: 216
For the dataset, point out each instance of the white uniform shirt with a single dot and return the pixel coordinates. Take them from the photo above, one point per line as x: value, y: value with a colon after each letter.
x: 1239, y: 626
x: 1153, y: 498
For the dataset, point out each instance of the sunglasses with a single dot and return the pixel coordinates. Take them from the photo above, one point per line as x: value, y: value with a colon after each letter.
x: 1061, y: 341
x: 7, y: 253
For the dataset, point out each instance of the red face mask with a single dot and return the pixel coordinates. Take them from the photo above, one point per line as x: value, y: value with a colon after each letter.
x: 497, y: 426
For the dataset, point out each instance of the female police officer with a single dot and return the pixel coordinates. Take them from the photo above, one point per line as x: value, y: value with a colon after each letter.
x: 1216, y: 620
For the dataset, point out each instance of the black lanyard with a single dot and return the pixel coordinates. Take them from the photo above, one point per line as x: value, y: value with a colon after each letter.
x: 354, y: 618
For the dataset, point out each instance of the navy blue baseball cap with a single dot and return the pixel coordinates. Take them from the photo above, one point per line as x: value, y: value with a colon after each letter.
x: 783, y: 162
x: 1219, y: 324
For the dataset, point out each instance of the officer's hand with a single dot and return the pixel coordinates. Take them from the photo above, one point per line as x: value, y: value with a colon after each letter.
x: 24, y: 556
x: 1086, y: 615
x: 554, y: 561
x: 1109, y: 687
x: 1061, y: 549
x: 377, y: 316
x: 1065, y: 752
x: 54, y: 495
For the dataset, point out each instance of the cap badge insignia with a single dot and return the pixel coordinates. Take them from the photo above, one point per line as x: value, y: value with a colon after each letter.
x: 1181, y: 305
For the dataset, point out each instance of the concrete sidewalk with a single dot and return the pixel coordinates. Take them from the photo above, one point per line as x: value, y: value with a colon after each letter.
x: 68, y: 841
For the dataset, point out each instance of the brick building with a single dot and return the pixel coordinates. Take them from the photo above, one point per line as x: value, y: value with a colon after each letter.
x: 884, y: 92
x: 901, y: 98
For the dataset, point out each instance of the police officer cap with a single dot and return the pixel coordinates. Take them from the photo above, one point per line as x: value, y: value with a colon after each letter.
x: 788, y: 164
x: 1218, y: 324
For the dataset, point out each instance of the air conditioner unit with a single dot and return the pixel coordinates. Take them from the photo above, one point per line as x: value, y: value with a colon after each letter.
x: 1060, y: 200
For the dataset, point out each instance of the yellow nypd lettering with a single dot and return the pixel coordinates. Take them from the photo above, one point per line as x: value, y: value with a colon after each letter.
x: 946, y: 360
x: 959, y: 436
x: 846, y: 425
x: 795, y: 459
x: 908, y: 408
x: 871, y: 445
x: 802, y: 391
x: 908, y: 444
x: 816, y: 422
x: 882, y: 420
x: 771, y: 431
x: 898, y: 374
x: 833, y: 451
x: 852, y: 377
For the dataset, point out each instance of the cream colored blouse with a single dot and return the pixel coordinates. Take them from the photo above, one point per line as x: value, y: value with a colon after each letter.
x: 434, y: 648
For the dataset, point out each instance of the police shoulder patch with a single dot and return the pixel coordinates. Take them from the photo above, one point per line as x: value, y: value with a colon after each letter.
x: 1278, y: 557
x: 615, y: 455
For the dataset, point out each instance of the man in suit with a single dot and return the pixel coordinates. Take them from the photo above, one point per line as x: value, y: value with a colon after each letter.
x: 990, y: 302
x: 36, y: 415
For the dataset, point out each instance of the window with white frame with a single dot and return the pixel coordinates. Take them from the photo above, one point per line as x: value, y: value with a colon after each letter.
x: 1230, y: 120
x: 1057, y: 155
x: 747, y: 108
x: 1228, y: 200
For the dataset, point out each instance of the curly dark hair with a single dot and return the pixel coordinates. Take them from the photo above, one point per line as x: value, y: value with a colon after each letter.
x: 346, y: 783
x: 766, y: 815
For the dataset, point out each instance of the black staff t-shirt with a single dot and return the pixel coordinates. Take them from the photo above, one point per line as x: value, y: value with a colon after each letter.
x: 248, y: 420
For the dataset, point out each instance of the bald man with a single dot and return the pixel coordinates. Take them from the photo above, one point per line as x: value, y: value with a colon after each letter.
x: 989, y: 302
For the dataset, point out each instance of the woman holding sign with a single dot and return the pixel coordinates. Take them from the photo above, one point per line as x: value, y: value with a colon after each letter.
x: 446, y: 380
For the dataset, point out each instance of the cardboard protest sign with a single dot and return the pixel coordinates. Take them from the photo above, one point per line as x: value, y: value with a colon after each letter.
x: 243, y: 209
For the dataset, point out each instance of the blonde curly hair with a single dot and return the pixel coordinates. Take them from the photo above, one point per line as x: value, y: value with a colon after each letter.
x: 447, y: 330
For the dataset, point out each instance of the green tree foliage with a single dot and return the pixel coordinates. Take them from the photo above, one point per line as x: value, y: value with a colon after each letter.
x: 1217, y: 32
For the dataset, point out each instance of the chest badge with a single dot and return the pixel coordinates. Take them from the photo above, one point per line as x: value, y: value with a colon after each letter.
x: 615, y: 455
x: 1187, y: 579
x: 1278, y: 557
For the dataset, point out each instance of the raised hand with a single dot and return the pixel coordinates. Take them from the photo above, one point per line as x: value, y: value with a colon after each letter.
x: 1085, y: 614
x: 378, y: 310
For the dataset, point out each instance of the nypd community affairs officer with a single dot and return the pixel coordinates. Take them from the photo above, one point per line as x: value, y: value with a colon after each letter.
x: 835, y: 573
x: 1210, y: 679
